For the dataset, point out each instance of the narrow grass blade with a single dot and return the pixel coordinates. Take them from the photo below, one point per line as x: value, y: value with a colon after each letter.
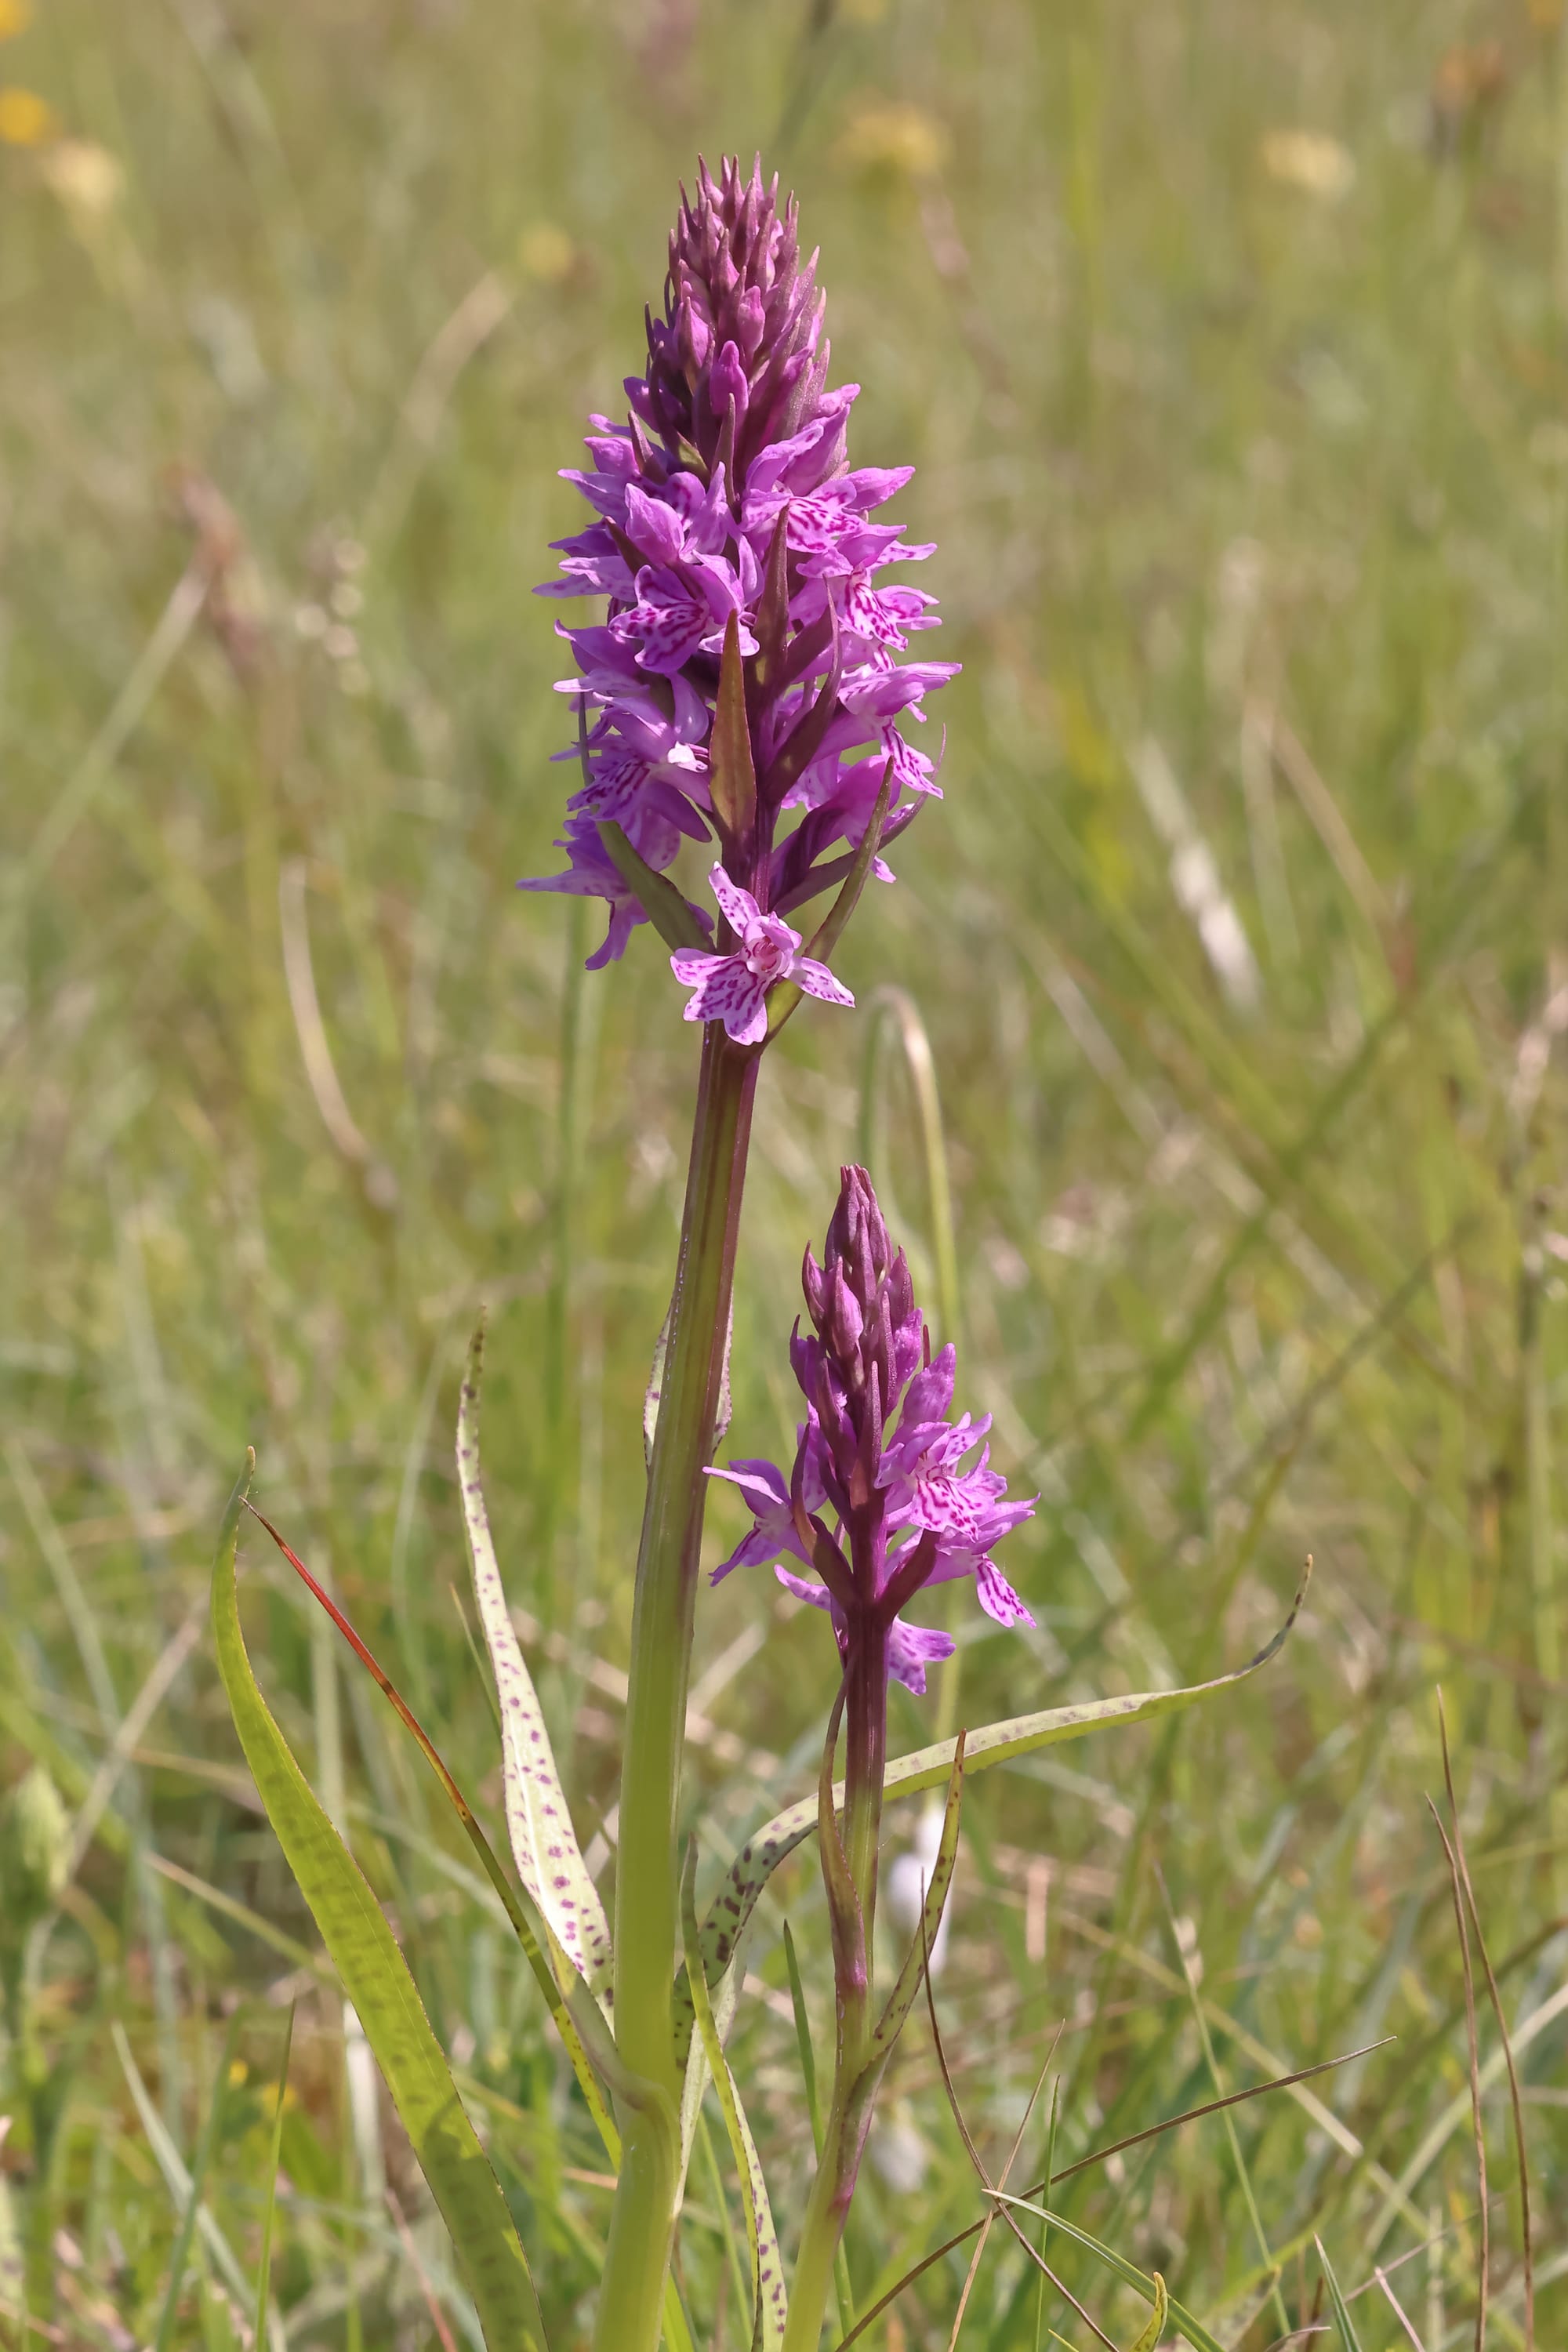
x: 803, y: 2041
x: 1399, y: 2311
x: 179, y: 2261
x: 814, y: 2112
x: 1098, y: 2156
x: 288, y: 1948
x: 1192, y: 2328
x: 996, y: 2191
x: 543, y: 1842
x: 1045, y: 2226
x: 264, y: 2263
x: 178, y: 2180
x: 1244, y: 2176
x: 928, y: 1768
x: 1337, y: 2302
x: 1214, y: 2106
x: 376, y: 1979
x: 1478, y: 2119
x: 1462, y: 1871
x: 739, y: 2262
x: 896, y: 1003
x: 770, y: 2308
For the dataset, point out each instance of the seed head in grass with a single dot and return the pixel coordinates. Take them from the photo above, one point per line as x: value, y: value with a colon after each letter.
x: 747, y: 669
x: 911, y: 1503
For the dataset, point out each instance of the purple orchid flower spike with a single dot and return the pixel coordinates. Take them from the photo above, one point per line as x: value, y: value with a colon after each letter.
x: 878, y: 1450
x: 734, y: 988
x: 726, y: 514
x: 886, y: 1495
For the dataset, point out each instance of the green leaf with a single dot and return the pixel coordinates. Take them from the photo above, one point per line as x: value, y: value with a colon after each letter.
x: 770, y: 2310
x: 785, y: 994
x: 927, y: 1767
x: 1346, y: 2325
x: 772, y: 623
x: 580, y: 2025
x: 731, y: 777
x: 1149, y: 2336
x: 656, y: 895
x: 376, y: 1978
x: 539, y: 1823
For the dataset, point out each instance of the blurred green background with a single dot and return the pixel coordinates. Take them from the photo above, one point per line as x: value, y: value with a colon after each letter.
x: 1231, y: 343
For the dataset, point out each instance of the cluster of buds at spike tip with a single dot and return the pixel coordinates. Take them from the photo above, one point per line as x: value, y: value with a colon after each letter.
x: 748, y: 666
x: 878, y: 1454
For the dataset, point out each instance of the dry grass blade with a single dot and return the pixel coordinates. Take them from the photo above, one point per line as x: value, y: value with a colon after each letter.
x: 1191, y: 1971
x: 138, y: 1716
x: 320, y: 1070
x: 1398, y: 2309
x: 1485, y: 2220
x: 1097, y: 2155
x: 405, y: 2236
x: 1515, y: 2101
x: 985, y: 2179
x: 1213, y: 2107
x: 985, y: 2228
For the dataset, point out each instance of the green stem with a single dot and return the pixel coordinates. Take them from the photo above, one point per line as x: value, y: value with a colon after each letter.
x: 647, y: 1927
x: 819, y: 2236
x: 865, y: 1768
x: 828, y: 2208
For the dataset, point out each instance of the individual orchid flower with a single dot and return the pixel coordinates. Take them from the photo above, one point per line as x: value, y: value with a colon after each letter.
x: 733, y: 988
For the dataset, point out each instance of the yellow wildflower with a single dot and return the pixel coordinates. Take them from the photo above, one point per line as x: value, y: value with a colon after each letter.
x: 15, y: 15
x: 546, y: 253
x: 895, y: 142
x: 25, y: 119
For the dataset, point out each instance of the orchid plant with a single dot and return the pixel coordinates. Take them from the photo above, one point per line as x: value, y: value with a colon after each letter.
x: 746, y: 689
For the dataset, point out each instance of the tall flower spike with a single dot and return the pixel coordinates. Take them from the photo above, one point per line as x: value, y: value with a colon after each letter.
x: 881, y: 1454
x: 730, y: 528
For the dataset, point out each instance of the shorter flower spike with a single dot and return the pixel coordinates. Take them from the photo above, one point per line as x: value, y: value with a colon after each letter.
x: 733, y: 988
x: 880, y: 1451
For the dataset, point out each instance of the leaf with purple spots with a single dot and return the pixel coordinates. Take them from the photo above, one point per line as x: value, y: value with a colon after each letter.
x: 927, y: 1767
x: 767, y: 2265
x: 543, y: 1842
x: 901, y: 1999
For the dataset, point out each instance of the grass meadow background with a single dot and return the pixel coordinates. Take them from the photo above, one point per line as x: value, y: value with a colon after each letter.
x: 1231, y: 343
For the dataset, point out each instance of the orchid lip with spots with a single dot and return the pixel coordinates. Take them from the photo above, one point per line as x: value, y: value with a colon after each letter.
x: 733, y: 988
